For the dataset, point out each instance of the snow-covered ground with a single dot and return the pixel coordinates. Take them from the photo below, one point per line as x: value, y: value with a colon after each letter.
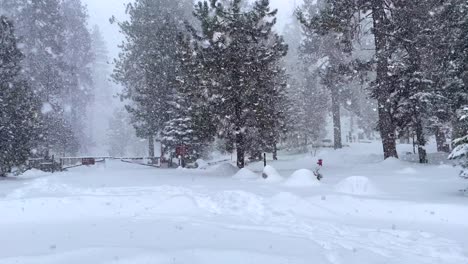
x: 364, y: 211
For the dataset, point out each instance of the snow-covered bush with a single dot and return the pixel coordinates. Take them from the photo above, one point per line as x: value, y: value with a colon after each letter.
x: 270, y: 174
x: 460, y: 152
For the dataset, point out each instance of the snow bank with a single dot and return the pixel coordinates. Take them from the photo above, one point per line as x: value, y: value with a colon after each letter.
x: 270, y: 174
x: 407, y: 171
x: 245, y: 174
x: 201, y: 164
x: 357, y: 185
x: 33, y: 173
x: 224, y: 169
x: 302, y: 178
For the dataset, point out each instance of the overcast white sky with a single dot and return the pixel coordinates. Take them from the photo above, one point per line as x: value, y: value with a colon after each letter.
x: 101, y: 10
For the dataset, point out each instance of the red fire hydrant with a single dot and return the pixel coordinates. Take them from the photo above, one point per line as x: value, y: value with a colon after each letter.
x: 317, y: 170
x: 320, y: 162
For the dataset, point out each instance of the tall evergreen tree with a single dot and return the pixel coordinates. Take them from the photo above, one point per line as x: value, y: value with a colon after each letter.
x: 147, y: 64
x: 390, y: 22
x: 41, y: 26
x: 306, y: 119
x: 77, y: 58
x: 412, y: 86
x: 460, y: 152
x: 237, y: 45
x: 192, y: 121
x: 56, y: 48
x: 328, y: 53
x: 450, y: 41
x: 18, y: 103
x: 120, y: 134
x: 102, y: 105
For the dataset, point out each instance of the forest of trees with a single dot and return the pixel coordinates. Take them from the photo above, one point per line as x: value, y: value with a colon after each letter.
x: 190, y: 80
x: 219, y: 70
x: 53, y: 69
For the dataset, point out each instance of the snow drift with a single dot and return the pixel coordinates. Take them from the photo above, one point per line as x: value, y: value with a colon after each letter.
x: 302, y: 178
x: 270, y: 174
x: 224, y: 169
x: 202, y: 164
x: 357, y: 185
x: 245, y: 174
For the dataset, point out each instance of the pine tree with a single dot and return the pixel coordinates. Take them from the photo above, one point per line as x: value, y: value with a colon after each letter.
x: 100, y: 67
x: 41, y: 27
x: 328, y: 52
x: 237, y: 45
x: 451, y: 57
x: 267, y: 127
x: 78, y: 78
x: 18, y: 104
x: 119, y: 134
x: 56, y: 48
x: 192, y: 120
x: 147, y: 64
x: 413, y: 88
x: 460, y: 152
x: 101, y: 108
x: 391, y: 22
x: 307, y: 116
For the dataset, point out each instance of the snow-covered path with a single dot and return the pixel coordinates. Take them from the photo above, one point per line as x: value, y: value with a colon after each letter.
x: 123, y: 213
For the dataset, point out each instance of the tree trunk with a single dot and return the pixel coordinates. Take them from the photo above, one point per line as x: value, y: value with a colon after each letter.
x: 336, y: 117
x: 275, y: 152
x: 458, y: 129
x: 421, y: 141
x: 240, y: 150
x: 240, y: 140
x: 151, y: 146
x: 441, y: 140
x: 383, y: 89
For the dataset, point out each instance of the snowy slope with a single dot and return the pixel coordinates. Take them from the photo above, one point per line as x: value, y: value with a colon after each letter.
x: 365, y: 211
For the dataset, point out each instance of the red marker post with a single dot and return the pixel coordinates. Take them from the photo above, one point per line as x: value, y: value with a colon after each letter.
x: 320, y: 162
x: 317, y: 170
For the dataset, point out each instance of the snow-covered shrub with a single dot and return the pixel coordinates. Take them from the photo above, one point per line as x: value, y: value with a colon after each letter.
x: 302, y: 178
x: 460, y: 152
x: 245, y: 174
x: 270, y: 174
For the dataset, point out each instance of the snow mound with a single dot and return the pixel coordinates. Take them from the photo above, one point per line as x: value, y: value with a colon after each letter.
x: 302, y: 178
x: 33, y: 173
x: 224, y: 169
x: 270, y: 174
x: 245, y: 174
x: 202, y: 164
x: 357, y: 185
x: 407, y: 171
